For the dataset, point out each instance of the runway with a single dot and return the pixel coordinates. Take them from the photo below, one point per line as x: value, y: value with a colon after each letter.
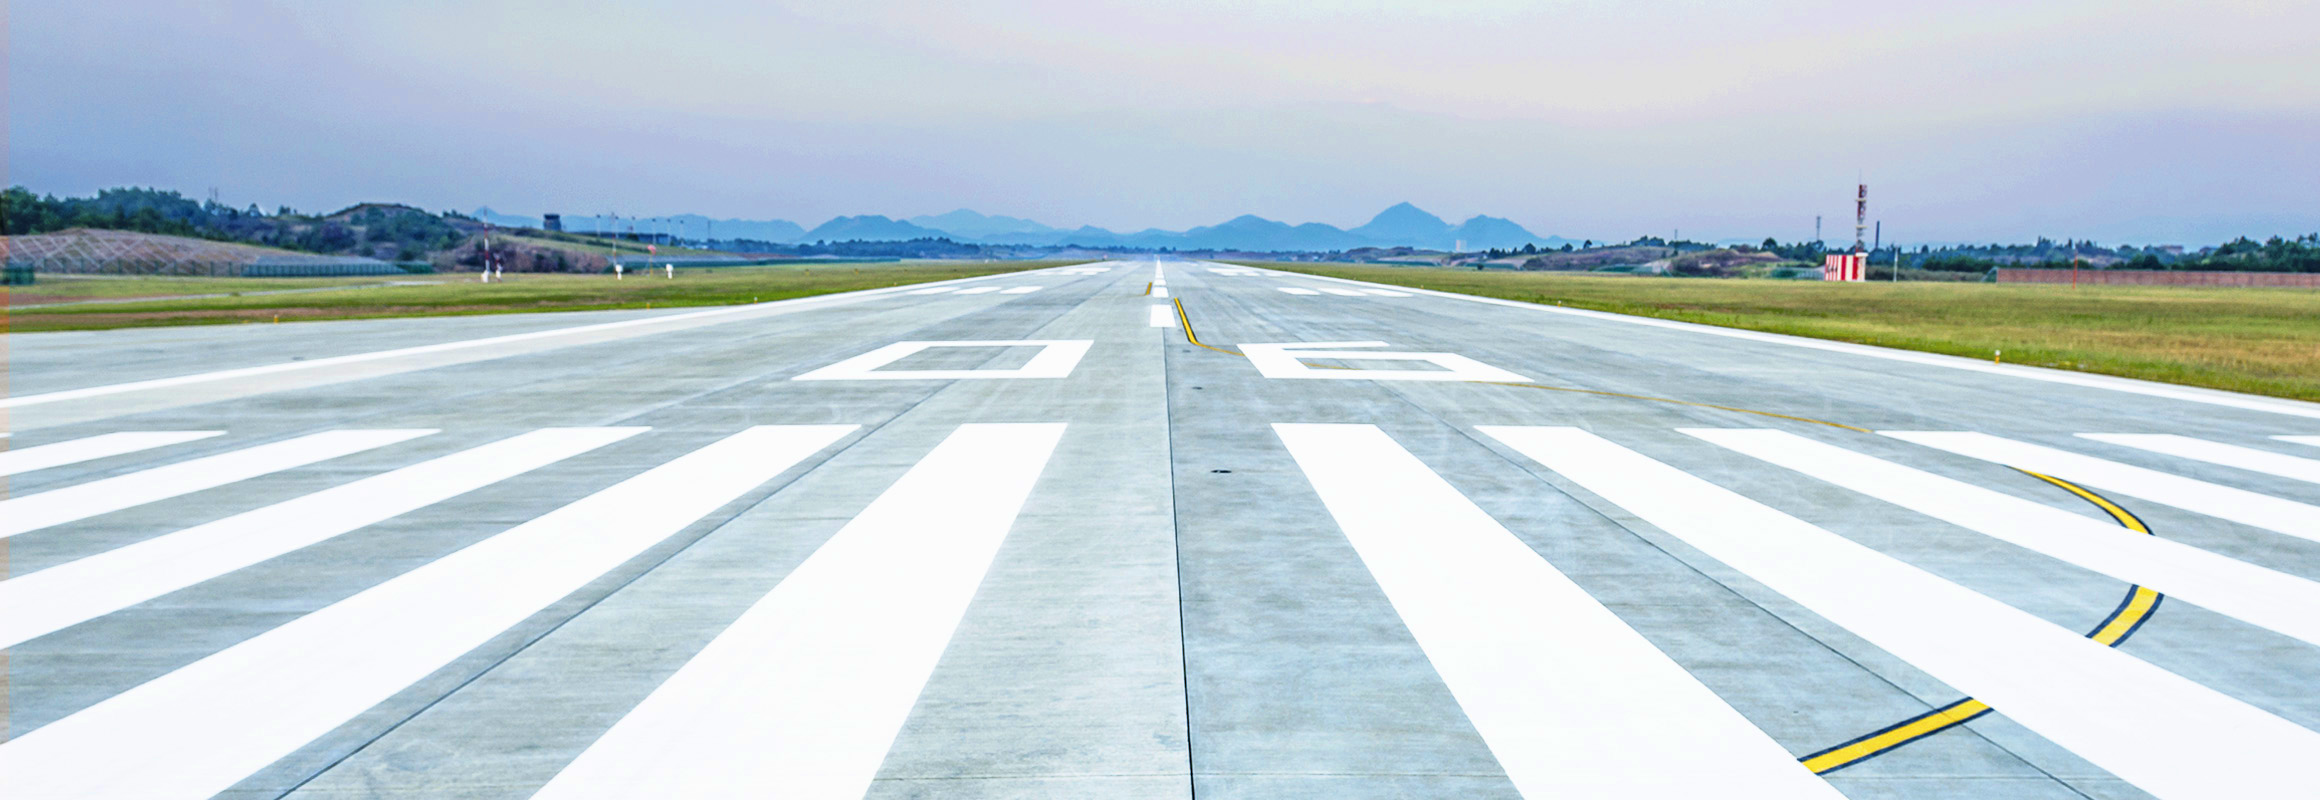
x: 1139, y: 529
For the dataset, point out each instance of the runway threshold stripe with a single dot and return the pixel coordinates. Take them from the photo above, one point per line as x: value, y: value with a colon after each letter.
x: 2235, y: 456
x: 81, y: 501
x: 1572, y: 701
x: 935, y: 290
x: 38, y: 603
x: 2167, y: 735
x: 977, y: 290
x: 1163, y: 317
x: 1297, y: 290
x: 1343, y: 292
x: 2274, y: 600
x: 28, y: 459
x: 2304, y: 440
x: 2196, y: 496
x: 198, y: 730
x: 804, y: 693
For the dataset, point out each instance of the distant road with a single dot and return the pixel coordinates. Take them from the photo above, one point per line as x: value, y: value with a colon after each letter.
x: 1139, y: 529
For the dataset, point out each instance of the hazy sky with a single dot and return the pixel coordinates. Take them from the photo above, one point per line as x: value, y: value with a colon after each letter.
x: 2111, y: 119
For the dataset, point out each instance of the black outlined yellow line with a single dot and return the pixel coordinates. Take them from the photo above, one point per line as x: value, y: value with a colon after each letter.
x: 2136, y: 609
x: 2138, y: 606
x: 1189, y: 336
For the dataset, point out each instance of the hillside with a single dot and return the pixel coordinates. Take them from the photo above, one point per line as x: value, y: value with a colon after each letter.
x: 89, y: 252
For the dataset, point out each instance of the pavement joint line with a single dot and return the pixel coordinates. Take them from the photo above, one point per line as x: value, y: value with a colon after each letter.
x: 1189, y: 336
x: 2090, y: 380
x: 1901, y: 733
x: 2138, y: 606
x: 769, y: 491
x: 797, y: 303
x: 1529, y: 469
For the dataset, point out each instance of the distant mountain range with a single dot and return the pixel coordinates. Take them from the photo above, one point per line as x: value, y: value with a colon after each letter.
x: 1403, y: 225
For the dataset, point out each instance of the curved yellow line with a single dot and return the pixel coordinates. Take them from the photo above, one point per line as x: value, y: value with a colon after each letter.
x: 2141, y: 601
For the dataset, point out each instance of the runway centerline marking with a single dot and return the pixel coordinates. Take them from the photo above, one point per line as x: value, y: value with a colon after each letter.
x: 80, y: 501
x: 2157, y: 730
x: 37, y: 603
x: 283, y: 688
x: 1163, y: 317
x: 29, y: 459
x: 1571, y: 701
x: 804, y: 693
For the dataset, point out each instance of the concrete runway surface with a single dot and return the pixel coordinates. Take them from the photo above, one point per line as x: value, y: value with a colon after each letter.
x: 1022, y: 536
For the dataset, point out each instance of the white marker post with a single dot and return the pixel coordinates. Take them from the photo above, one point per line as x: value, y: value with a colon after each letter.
x: 672, y: 268
x: 617, y: 270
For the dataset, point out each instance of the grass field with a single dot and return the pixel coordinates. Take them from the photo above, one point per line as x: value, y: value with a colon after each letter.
x: 461, y: 294
x: 2263, y: 341
x: 75, y: 288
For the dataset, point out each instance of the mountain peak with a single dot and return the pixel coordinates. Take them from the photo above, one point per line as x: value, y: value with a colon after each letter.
x: 1406, y: 224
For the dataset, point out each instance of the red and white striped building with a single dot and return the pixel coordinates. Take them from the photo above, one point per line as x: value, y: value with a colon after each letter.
x: 1845, y: 267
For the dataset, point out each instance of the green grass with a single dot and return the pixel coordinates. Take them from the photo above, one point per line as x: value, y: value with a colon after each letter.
x: 70, y: 288
x: 521, y: 293
x: 2262, y: 341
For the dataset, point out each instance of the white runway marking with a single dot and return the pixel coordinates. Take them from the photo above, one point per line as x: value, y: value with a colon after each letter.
x: 1163, y: 317
x: 1343, y: 292
x: 200, y: 729
x: 582, y: 333
x: 2247, y: 458
x: 2278, y: 601
x: 1160, y: 291
x: 1021, y: 290
x: 1298, y: 290
x: 1286, y: 360
x: 1056, y: 359
x: 1387, y: 293
x: 2163, y: 733
x: 2105, y: 382
x: 804, y: 693
x: 58, y: 506
x: 1572, y: 701
x: 19, y: 461
x: 38, y: 603
x: 935, y: 290
x: 2307, y: 440
x: 2196, y: 496
x: 977, y: 290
